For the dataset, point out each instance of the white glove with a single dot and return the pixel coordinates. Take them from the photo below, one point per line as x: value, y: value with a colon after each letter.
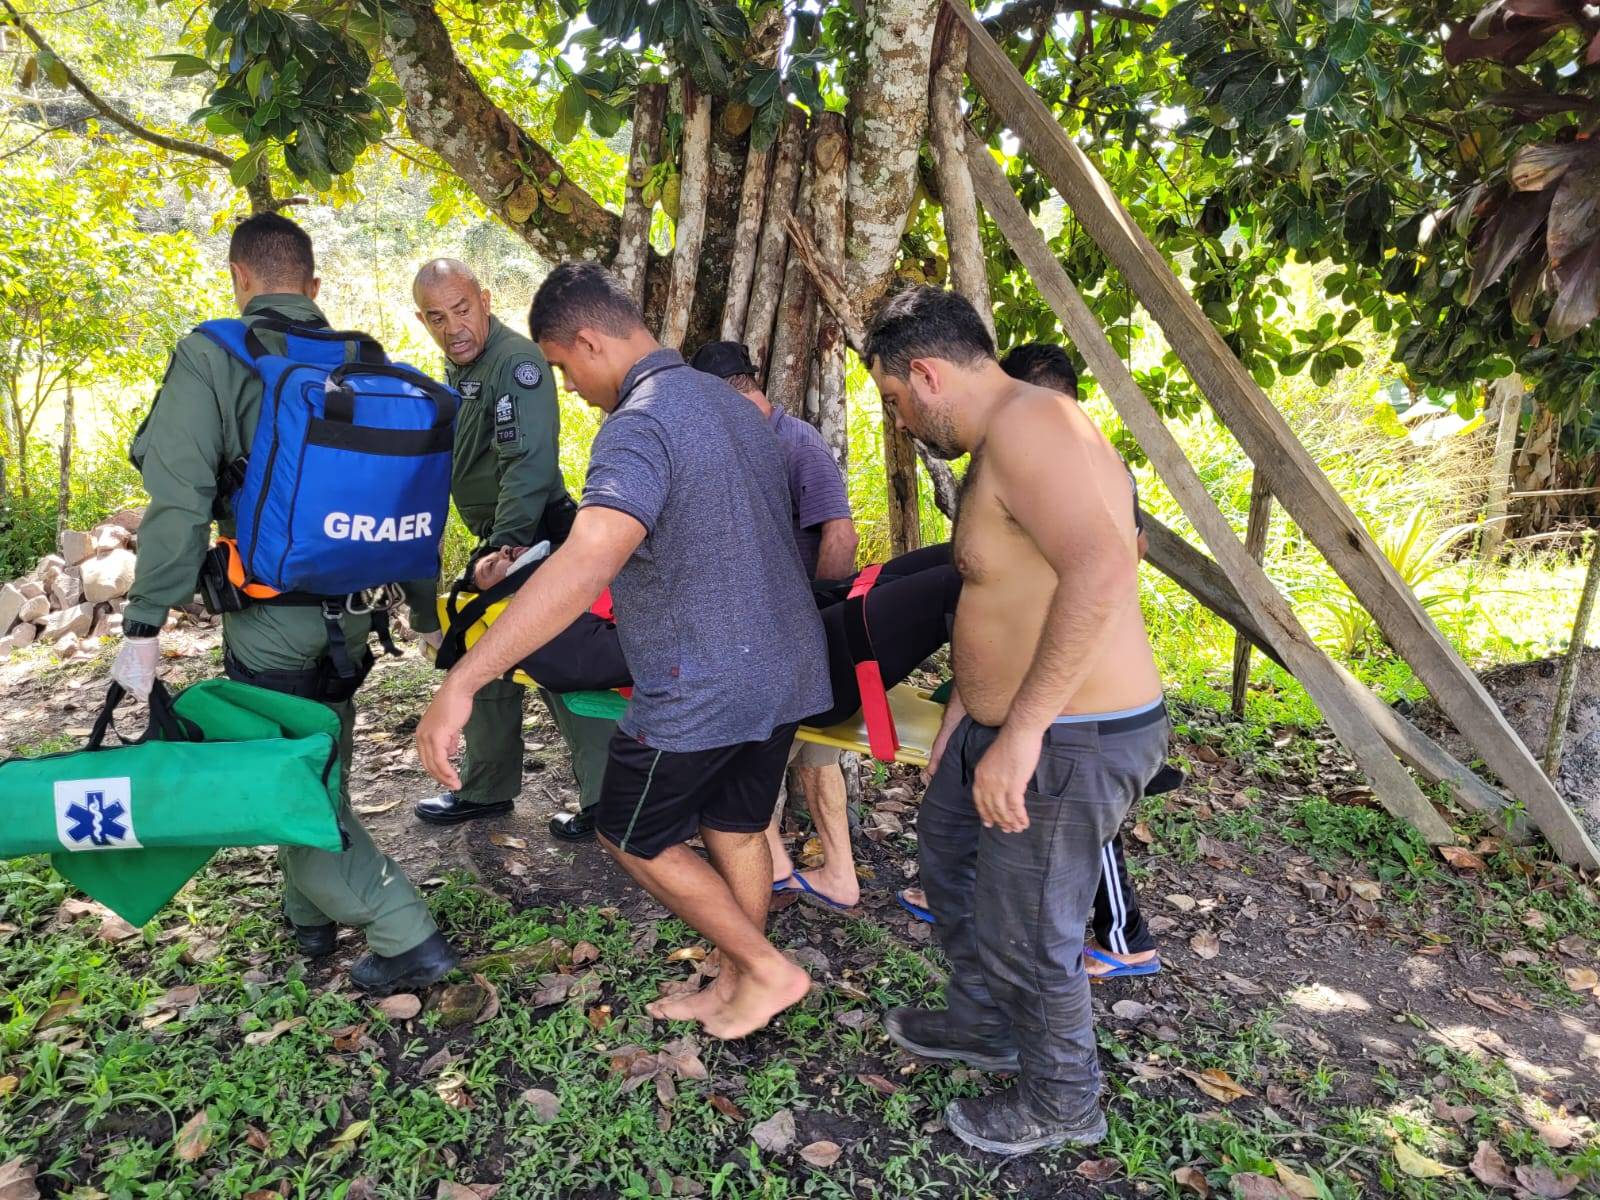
x: 135, y: 668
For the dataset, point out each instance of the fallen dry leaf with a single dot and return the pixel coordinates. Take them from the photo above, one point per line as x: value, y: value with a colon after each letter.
x: 821, y: 1154
x: 400, y: 1008
x: 1247, y: 1185
x: 1367, y: 889
x: 1206, y: 944
x: 348, y: 1039
x: 546, y: 1105
x: 1181, y: 902
x: 1520, y: 956
x: 1490, y: 1168
x: 686, y: 954
x: 1487, y: 1002
x: 509, y: 841
x: 1192, y: 1181
x: 350, y: 1135
x: 1414, y: 1162
x: 1217, y: 1084
x: 491, y: 1001
x: 452, y: 1089
x: 265, y: 1037
x: 257, y: 1139
x: 1303, y: 1187
x: 599, y: 1017
x: 194, y: 1139
x: 726, y: 1107
x: 1239, y: 985
x: 1461, y: 858
x: 1553, y: 1135
x: 455, y: 1191
x: 8, y: 1084
x: 776, y: 1134
x: 1097, y: 1170
x: 1141, y: 831
x: 263, y: 1194
x: 1573, y: 946
x: 1534, y: 919
x: 879, y: 1084
x: 1542, y: 1181
x: 1580, y: 979
x: 16, y: 1180
x: 1458, y: 1114
x: 1130, y: 1010
x: 159, y: 1018
x: 585, y: 952
x: 372, y: 810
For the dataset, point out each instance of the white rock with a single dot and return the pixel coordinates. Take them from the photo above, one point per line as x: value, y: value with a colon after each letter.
x: 66, y: 645
x: 6, y: 647
x: 110, y: 537
x: 11, y: 599
x: 67, y: 588
x: 75, y: 546
x: 35, y: 608
x: 129, y: 519
x: 24, y: 634
x: 75, y: 621
x: 89, y: 647
x: 101, y: 624
x: 108, y: 576
x: 117, y: 605
x: 30, y: 588
x: 114, y: 625
x: 47, y: 568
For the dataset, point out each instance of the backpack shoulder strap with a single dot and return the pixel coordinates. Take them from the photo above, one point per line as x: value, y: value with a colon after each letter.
x: 233, y: 336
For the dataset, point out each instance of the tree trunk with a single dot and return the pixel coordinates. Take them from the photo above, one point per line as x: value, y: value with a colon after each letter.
x: 746, y: 240
x: 830, y: 153
x: 1508, y: 394
x: 900, y: 468
x: 772, y: 251
x: 1569, y: 666
x: 633, y: 237
x: 947, y: 136
x: 694, y: 190
x: 1255, y: 545
x: 69, y: 407
x: 729, y: 152
x: 888, y: 113
x: 790, y: 357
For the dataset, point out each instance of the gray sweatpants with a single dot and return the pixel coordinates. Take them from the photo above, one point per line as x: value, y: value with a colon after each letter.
x: 1012, y: 906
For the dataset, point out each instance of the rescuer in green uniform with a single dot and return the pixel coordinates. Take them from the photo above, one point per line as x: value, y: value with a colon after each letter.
x: 199, y: 428
x: 507, y: 486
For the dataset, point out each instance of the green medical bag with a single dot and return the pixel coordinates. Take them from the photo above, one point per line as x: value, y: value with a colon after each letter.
x: 222, y: 764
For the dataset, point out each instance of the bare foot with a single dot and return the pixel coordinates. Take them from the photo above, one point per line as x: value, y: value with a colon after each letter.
x: 694, y: 1006
x: 916, y: 896
x: 757, y: 999
x: 1094, y: 968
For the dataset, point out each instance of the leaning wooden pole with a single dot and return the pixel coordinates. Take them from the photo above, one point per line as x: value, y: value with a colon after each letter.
x: 1296, y: 482
x: 1208, y: 583
x: 969, y: 270
x: 772, y: 250
x: 633, y: 236
x: 830, y: 158
x: 1570, y: 665
x: 1394, y: 788
x: 1255, y: 545
x: 693, y: 191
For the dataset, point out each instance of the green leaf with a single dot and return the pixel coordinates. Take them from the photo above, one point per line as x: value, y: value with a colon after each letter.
x: 515, y: 41
x: 185, y: 66
x: 387, y: 93
x: 247, y: 166
x: 571, y: 108
x: 1348, y: 40
x: 53, y: 69
x: 762, y: 87
x: 1288, y: 18
x: 252, y: 81
x: 1323, y: 80
x: 604, y: 119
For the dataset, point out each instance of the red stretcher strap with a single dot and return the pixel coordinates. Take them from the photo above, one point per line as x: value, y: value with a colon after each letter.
x: 882, y: 737
x: 606, y: 611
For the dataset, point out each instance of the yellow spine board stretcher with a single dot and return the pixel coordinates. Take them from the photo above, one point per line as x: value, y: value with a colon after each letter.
x: 916, y: 717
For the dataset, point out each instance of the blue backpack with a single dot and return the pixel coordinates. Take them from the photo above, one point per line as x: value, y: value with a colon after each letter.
x: 347, y: 482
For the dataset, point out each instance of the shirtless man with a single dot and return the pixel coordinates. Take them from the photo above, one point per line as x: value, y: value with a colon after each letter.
x: 1056, y: 723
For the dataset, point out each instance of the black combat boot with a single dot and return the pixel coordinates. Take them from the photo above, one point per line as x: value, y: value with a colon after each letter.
x: 449, y: 809
x: 573, y: 827
x: 418, y: 967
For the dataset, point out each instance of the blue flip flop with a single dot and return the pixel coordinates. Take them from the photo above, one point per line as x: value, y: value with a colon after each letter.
x: 916, y: 910
x: 1120, y: 969
x: 808, y: 892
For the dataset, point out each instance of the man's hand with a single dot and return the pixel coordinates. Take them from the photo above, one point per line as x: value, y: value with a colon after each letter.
x: 439, y: 731
x: 954, y: 710
x: 430, y: 643
x: 1001, y: 779
x: 135, y: 667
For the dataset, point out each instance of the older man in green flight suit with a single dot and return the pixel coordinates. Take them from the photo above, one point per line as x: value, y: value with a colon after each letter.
x: 199, y: 429
x: 507, y: 486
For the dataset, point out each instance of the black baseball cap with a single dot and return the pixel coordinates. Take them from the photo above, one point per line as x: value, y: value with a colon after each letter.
x: 723, y: 359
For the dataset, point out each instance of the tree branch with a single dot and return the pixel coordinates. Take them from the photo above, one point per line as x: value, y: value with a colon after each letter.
x: 109, y: 111
x: 1024, y: 13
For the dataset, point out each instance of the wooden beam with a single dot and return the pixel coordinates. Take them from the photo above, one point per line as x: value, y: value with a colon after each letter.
x: 1296, y: 481
x: 1255, y: 545
x: 1395, y: 789
x: 1208, y: 583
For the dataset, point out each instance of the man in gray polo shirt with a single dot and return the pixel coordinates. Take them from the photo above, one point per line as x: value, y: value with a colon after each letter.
x: 686, y: 511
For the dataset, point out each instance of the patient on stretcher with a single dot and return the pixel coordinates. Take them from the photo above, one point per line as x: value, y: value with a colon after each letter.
x: 908, y: 614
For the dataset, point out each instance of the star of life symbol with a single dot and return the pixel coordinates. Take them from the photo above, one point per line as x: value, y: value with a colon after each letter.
x: 95, y: 814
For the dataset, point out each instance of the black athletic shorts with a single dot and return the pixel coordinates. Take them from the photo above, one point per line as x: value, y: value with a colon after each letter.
x: 652, y: 799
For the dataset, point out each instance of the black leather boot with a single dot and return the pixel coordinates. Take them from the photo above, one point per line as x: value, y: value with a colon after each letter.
x: 933, y: 1033
x: 573, y: 827
x: 418, y: 967
x: 314, y: 941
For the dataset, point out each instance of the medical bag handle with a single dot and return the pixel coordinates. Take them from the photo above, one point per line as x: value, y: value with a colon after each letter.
x: 163, y: 718
x: 368, y: 349
x: 340, y: 402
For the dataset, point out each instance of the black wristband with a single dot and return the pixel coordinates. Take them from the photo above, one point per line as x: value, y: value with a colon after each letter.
x: 138, y: 629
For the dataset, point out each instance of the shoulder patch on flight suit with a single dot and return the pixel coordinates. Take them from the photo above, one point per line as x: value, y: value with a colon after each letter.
x: 505, y: 420
x: 527, y: 373
x: 469, y: 388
